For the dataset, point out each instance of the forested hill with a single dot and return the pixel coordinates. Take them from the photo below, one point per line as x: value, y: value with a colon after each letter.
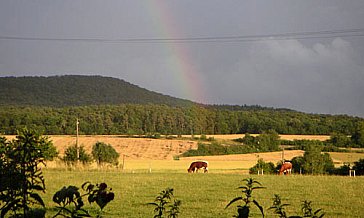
x: 112, y: 106
x: 73, y: 90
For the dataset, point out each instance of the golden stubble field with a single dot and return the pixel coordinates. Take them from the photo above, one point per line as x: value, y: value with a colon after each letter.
x: 145, y: 154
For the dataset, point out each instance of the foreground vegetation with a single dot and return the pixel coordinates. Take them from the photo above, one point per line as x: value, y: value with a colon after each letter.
x: 206, y: 195
x: 199, y: 195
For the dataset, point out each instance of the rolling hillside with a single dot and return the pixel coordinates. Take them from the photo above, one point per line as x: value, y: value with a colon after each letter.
x: 105, y: 105
x: 72, y: 90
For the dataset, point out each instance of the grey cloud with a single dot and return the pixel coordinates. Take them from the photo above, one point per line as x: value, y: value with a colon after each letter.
x: 313, y: 75
x: 324, y: 77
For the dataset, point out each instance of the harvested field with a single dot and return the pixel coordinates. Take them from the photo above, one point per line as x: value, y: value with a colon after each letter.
x: 146, y: 153
x: 133, y: 148
x: 161, y: 149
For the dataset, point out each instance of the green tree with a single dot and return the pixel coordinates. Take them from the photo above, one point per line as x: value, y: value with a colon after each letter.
x: 268, y: 141
x: 70, y: 155
x: 358, y: 136
x: 104, y: 153
x: 340, y: 140
x: 315, y: 162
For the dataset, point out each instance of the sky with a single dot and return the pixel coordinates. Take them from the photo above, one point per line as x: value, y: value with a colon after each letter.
x: 302, y: 55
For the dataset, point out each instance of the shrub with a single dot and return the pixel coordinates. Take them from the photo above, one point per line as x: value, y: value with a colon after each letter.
x: 297, y: 164
x: 70, y: 155
x: 104, y: 153
x: 49, y: 151
x: 359, y: 167
x: 216, y: 148
x: 261, y: 165
x: 342, y: 170
x: 207, y: 149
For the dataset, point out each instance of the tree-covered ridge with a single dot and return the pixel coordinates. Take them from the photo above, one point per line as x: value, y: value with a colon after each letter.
x: 73, y: 90
x: 163, y: 119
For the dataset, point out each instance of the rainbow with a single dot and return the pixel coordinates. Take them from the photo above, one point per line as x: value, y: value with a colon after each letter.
x: 180, y: 63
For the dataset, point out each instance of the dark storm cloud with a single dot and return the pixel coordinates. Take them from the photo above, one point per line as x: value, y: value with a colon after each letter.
x: 320, y: 75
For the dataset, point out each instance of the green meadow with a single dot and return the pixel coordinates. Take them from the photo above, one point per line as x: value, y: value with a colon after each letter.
x: 206, y: 195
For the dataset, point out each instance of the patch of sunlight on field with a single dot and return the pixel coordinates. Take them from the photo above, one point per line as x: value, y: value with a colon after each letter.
x: 346, y: 157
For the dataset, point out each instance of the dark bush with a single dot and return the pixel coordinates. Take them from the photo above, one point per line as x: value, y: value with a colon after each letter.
x: 359, y: 167
x: 342, y: 170
x: 297, y: 164
x: 104, y: 153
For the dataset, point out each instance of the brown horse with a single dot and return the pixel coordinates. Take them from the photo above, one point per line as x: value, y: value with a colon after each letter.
x: 286, y: 168
x: 195, y: 166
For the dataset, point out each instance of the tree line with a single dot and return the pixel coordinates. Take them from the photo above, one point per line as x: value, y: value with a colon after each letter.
x: 163, y: 119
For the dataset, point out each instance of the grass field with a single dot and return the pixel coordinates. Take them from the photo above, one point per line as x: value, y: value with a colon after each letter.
x: 206, y: 195
x: 147, y: 167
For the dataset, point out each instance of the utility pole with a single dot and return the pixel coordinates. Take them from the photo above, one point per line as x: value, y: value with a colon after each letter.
x: 77, y: 150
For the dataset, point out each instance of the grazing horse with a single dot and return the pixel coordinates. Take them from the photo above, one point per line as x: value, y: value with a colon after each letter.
x: 285, y: 168
x: 195, y: 166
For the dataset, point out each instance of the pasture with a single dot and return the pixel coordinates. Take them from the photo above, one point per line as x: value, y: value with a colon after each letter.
x: 206, y: 195
x: 147, y: 166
